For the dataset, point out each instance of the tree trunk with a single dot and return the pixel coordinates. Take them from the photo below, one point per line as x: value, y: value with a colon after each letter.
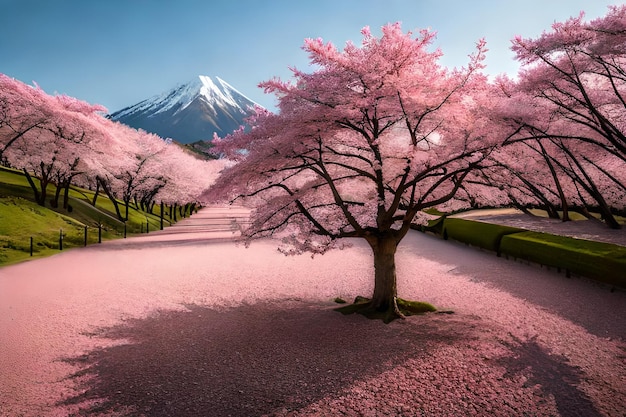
x: 34, y: 188
x: 43, y: 184
x: 557, y: 182
x: 521, y: 207
x: 565, y: 207
x: 66, y: 193
x: 584, y: 179
x: 54, y: 203
x: 95, y: 195
x: 552, y: 210
x: 606, y: 213
x: 385, y: 288
x: 161, y: 219
x: 109, y: 194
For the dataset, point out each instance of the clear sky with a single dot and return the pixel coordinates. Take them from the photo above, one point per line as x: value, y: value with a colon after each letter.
x: 118, y: 52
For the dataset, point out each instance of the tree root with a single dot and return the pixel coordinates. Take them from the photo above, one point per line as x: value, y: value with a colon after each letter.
x: 398, y: 310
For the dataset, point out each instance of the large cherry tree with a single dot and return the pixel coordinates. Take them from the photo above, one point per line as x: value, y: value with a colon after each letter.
x: 359, y: 148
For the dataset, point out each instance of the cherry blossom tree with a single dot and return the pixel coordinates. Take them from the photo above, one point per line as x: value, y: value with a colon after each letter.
x: 114, y: 152
x: 360, y: 147
x: 23, y: 109
x: 575, y: 75
x: 137, y: 168
x: 578, y: 67
x: 187, y: 175
x: 141, y: 168
x: 521, y: 173
x: 528, y: 175
x: 74, y: 124
x: 53, y: 149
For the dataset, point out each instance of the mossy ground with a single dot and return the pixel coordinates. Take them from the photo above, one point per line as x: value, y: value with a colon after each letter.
x: 406, y: 308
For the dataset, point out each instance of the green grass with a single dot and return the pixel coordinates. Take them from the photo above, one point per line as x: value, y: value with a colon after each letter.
x: 12, y: 177
x: 22, y: 219
x: 434, y: 211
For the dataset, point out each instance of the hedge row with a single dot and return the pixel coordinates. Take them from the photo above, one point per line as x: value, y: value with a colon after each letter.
x: 601, y: 261
x: 483, y: 235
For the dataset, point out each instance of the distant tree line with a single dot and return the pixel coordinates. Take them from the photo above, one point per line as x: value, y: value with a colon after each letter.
x: 63, y: 141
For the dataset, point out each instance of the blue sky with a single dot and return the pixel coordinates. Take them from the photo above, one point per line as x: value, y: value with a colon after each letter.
x: 118, y: 52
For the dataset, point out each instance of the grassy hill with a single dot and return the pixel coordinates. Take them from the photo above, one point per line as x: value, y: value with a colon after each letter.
x: 21, y: 220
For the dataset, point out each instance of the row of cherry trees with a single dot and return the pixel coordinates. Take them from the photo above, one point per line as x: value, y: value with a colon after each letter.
x: 564, y: 121
x: 64, y: 141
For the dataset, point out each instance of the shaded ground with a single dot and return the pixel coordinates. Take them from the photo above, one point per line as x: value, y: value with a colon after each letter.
x: 162, y: 326
x: 281, y: 358
x: 246, y: 361
x: 555, y: 375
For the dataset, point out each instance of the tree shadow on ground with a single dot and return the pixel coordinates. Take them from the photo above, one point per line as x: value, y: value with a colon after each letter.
x: 554, y: 375
x: 582, y: 301
x: 246, y: 361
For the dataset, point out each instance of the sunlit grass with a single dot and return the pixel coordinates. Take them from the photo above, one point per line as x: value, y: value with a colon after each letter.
x: 22, y: 219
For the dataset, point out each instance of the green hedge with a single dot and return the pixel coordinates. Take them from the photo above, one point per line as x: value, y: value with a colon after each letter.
x: 602, y: 261
x: 433, y: 226
x: 480, y: 234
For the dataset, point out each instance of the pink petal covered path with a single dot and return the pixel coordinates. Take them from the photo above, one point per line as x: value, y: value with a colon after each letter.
x: 186, y: 323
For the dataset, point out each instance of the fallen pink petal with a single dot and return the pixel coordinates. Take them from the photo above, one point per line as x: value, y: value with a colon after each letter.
x: 248, y: 331
x: 428, y: 220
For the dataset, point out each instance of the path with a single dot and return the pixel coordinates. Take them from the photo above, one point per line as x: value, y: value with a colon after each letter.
x: 523, y: 340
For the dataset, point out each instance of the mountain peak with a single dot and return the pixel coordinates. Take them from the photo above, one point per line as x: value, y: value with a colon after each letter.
x: 191, y: 111
x: 219, y: 90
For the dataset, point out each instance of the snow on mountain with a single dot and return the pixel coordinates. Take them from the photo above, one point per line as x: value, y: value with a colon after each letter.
x: 190, y: 112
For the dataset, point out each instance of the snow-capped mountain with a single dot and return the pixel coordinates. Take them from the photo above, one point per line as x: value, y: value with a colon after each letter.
x: 190, y: 112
